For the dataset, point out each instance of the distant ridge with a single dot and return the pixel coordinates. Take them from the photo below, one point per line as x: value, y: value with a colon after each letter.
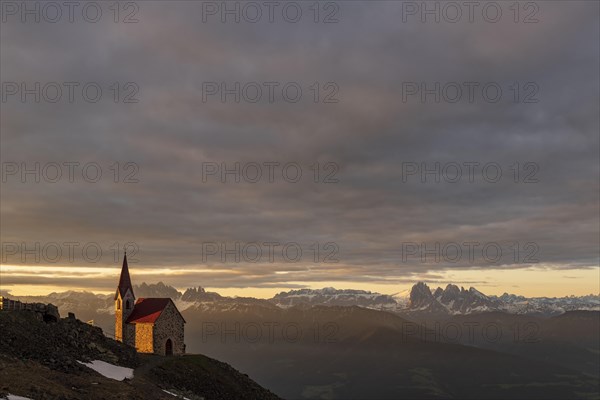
x: 420, y: 299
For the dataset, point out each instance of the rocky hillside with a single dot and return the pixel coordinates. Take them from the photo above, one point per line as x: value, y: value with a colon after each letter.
x: 44, y: 360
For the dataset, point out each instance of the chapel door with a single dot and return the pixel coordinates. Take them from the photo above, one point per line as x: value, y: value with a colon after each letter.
x: 169, y: 348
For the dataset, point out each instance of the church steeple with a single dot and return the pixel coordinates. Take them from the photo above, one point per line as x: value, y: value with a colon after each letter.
x: 124, y: 305
x: 124, y: 280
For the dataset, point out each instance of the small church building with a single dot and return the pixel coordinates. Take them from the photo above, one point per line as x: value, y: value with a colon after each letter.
x: 151, y: 325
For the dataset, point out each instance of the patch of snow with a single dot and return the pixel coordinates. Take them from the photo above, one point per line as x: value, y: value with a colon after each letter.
x: 184, y: 305
x: 14, y: 397
x: 176, y: 395
x: 108, y: 310
x: 109, y: 370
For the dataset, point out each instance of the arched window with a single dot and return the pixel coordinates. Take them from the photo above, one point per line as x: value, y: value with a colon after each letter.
x: 127, y: 304
x: 119, y: 304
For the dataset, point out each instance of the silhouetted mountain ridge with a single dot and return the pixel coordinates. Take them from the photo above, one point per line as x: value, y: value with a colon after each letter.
x: 460, y: 301
x: 420, y: 300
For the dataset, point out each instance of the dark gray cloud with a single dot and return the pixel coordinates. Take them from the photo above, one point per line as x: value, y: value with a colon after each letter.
x: 370, y: 134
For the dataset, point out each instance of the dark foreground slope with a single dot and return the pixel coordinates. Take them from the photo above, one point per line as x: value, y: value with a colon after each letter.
x: 39, y: 360
x: 356, y: 353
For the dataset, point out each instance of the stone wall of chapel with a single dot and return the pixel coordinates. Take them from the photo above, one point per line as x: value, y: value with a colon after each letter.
x: 169, y: 325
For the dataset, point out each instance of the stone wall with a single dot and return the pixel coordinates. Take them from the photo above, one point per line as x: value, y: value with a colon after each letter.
x: 144, y: 338
x: 124, y: 332
x: 118, y: 325
x: 169, y: 325
x: 130, y: 335
x: 44, y: 312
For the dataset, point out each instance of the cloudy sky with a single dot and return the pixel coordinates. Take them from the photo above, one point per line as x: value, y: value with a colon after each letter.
x: 375, y: 108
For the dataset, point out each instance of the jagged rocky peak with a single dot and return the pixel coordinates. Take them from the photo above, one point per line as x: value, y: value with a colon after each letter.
x: 156, y: 290
x: 477, y: 293
x: 199, y: 294
x: 160, y: 289
x: 420, y: 287
x: 420, y: 295
x: 452, y: 292
x: 194, y: 291
x: 451, y: 288
x: 191, y: 294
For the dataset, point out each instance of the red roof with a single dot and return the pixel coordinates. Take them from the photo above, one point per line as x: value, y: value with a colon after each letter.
x: 147, y: 310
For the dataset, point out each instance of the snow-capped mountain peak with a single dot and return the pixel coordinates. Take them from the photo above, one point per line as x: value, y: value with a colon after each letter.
x: 334, y: 297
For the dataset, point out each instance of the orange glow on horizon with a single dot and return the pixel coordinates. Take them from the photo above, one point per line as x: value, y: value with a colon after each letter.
x: 530, y: 282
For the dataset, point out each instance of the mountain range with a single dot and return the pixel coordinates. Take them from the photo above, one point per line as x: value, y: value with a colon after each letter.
x: 344, y: 344
x: 420, y: 300
x: 460, y: 301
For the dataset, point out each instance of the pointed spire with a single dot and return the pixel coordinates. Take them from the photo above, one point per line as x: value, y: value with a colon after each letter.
x: 125, y: 279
